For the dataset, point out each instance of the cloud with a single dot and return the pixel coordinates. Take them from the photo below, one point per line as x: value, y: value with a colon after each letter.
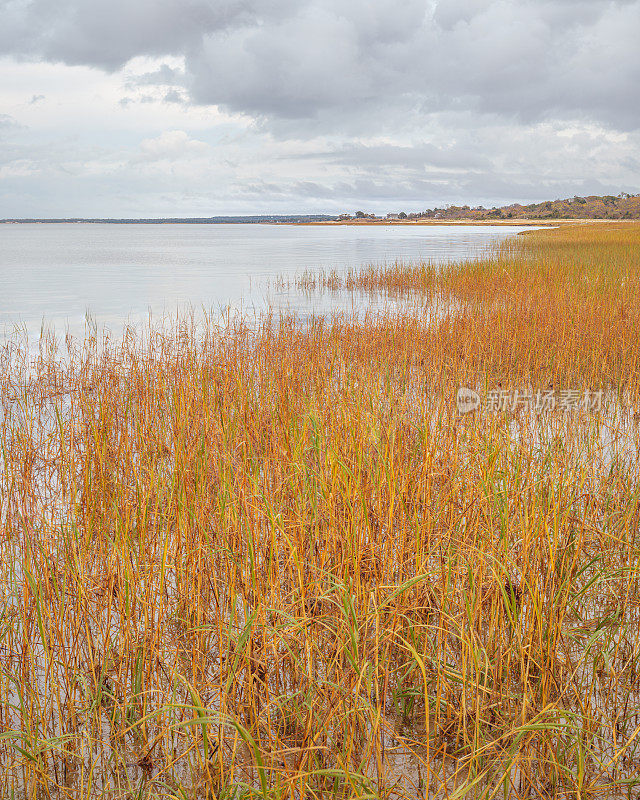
x: 325, y: 60
x: 163, y: 76
x: 216, y: 106
x: 171, y: 146
x: 7, y: 122
x: 18, y: 168
x: 418, y: 155
x: 109, y: 33
x: 174, y: 96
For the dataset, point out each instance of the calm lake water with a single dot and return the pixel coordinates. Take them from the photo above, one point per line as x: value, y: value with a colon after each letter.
x: 57, y: 274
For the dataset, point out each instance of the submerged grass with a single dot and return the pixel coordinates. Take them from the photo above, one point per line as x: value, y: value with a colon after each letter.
x: 277, y: 562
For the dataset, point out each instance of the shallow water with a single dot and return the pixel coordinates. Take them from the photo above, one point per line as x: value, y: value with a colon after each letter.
x: 58, y: 274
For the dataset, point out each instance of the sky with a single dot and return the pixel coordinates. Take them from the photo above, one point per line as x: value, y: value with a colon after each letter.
x: 151, y: 108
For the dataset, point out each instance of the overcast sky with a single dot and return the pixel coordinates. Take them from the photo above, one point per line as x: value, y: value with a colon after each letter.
x: 201, y: 107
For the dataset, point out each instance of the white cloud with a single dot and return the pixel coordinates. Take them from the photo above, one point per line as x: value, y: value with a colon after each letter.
x: 171, y: 146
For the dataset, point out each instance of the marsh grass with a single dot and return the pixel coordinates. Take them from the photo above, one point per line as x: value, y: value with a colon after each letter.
x: 276, y: 562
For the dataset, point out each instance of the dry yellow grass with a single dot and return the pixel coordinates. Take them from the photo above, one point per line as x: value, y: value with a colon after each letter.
x: 278, y: 562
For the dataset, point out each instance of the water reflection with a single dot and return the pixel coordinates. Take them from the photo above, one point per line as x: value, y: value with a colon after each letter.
x: 58, y: 274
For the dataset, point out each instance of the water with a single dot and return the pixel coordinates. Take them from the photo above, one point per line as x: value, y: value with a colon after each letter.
x: 57, y: 274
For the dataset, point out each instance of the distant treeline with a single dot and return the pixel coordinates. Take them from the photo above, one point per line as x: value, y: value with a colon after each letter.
x: 622, y: 206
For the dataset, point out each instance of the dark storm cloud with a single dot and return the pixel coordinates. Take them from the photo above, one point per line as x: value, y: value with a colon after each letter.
x: 337, y: 63
x: 108, y: 33
x: 523, y: 60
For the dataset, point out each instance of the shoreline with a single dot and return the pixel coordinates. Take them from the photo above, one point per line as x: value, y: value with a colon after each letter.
x: 493, y: 222
x: 523, y: 222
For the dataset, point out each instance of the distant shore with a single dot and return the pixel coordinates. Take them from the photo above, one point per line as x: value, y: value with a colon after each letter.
x: 310, y: 221
x: 491, y: 222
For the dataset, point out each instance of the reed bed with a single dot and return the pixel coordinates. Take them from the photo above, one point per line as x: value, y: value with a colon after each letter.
x: 276, y: 561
